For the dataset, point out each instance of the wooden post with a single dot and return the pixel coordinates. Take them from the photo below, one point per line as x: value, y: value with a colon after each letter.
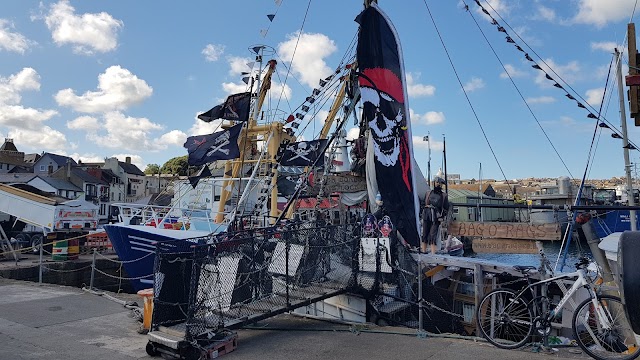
x: 478, y: 279
x: 633, y: 63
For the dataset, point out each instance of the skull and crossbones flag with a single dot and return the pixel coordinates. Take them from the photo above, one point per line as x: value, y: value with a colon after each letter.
x: 221, y: 145
x: 386, y: 114
x: 235, y: 108
x: 303, y: 153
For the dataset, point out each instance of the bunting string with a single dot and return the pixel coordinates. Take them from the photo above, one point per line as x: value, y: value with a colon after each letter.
x: 536, y: 65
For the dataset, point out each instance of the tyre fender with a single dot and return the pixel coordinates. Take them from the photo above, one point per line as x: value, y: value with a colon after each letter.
x: 628, y: 255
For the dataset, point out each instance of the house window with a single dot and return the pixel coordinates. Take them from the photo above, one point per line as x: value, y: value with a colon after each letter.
x: 42, y: 168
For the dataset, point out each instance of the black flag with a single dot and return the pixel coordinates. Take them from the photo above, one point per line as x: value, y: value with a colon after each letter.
x: 203, y: 173
x: 303, y: 153
x: 383, y: 91
x: 235, y: 108
x: 221, y: 145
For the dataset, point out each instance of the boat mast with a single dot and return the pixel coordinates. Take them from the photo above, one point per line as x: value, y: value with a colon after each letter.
x: 625, y: 141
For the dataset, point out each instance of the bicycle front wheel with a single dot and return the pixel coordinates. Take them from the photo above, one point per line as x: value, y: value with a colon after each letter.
x: 604, y: 333
x: 504, y: 320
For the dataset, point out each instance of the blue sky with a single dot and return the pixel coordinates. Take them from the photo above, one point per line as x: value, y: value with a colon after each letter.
x: 93, y: 79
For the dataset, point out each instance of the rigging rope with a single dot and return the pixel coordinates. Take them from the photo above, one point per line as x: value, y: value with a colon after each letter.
x: 465, y: 92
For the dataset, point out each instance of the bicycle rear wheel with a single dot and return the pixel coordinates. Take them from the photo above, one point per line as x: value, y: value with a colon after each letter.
x: 504, y: 321
x: 618, y: 342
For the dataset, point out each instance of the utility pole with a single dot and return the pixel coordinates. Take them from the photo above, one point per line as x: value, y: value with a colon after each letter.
x: 625, y: 141
x: 444, y: 153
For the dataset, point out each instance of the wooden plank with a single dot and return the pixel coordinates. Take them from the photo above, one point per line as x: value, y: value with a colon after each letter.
x: 504, y: 246
x: 478, y: 279
x: 434, y: 270
x: 505, y: 230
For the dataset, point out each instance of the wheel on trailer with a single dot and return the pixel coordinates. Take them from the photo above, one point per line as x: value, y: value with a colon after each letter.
x: 505, y: 321
x: 619, y: 342
x: 36, y: 243
x: 151, y: 349
x: 22, y: 239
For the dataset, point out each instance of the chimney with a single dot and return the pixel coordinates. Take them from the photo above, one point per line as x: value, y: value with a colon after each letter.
x: 127, y: 159
x: 68, y: 170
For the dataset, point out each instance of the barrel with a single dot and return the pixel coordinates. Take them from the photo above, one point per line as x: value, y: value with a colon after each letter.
x: 60, y: 250
x: 73, y: 249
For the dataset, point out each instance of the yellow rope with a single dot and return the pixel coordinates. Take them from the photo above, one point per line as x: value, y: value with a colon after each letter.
x: 45, y: 244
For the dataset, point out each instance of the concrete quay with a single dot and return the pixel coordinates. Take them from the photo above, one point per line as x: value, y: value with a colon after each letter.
x: 56, y: 322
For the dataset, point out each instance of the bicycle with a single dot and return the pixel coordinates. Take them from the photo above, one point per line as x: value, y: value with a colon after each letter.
x: 508, y: 318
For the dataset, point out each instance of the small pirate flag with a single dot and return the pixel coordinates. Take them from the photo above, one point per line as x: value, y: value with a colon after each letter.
x: 303, y: 153
x: 235, y: 108
x: 221, y: 145
x: 203, y: 173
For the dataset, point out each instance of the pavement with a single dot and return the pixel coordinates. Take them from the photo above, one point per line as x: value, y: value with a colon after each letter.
x: 57, y: 322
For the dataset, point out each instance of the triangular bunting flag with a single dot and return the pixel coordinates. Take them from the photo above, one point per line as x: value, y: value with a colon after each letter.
x: 603, y: 125
x: 570, y: 96
x: 295, y: 125
x: 299, y: 116
x: 245, y: 80
x: 290, y: 118
x: 250, y: 64
x: 629, y: 146
x: 328, y: 78
x: 558, y: 86
x: 310, y: 99
x: 591, y: 116
x: 526, y: 56
x: 485, y: 11
x: 502, y: 29
x: 478, y: 2
x: 271, y: 16
x: 494, y: 21
x: 316, y: 91
x: 305, y: 108
x: 278, y: 2
x: 256, y: 49
x: 616, y: 136
x: 548, y: 77
x: 263, y: 32
x: 510, y: 40
x: 322, y: 83
x: 536, y: 66
x: 519, y: 48
x: 581, y: 106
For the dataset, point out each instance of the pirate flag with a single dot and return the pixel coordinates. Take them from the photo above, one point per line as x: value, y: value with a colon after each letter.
x: 221, y: 145
x: 386, y: 112
x: 235, y: 108
x: 303, y: 153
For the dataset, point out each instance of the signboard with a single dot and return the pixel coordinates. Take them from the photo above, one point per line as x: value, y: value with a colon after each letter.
x: 504, y: 246
x: 505, y: 230
x: 340, y: 183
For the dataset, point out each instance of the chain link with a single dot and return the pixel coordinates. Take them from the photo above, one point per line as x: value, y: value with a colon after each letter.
x: 431, y: 305
x: 66, y: 271
x: 123, y: 278
x: 124, y: 261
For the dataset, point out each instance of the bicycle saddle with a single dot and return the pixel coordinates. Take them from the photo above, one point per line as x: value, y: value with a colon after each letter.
x: 524, y: 268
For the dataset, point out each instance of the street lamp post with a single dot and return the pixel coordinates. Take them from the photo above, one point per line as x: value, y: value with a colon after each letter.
x: 426, y: 138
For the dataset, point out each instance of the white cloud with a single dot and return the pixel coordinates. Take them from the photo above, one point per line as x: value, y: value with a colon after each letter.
x: 428, y: 118
x: 353, y: 133
x: 606, y: 46
x: 10, y: 88
x: 512, y: 71
x: 545, y: 13
x: 570, y: 72
x: 87, y: 33
x: 85, y: 158
x: 118, y: 89
x: 417, y: 90
x: 213, y: 52
x: 173, y: 137
x: 594, y: 96
x: 474, y: 84
x: 13, y: 41
x: 420, y: 144
x: 42, y: 138
x: 238, y: 65
x: 601, y: 12
x: 200, y: 127
x: 87, y: 123
x: 541, y: 100
x: 321, y: 116
x: 127, y: 133
x: 136, y: 160
x: 276, y: 89
x: 494, y: 6
x: 310, y: 51
x: 233, y: 88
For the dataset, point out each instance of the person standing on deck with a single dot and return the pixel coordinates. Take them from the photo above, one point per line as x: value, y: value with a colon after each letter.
x: 435, y: 211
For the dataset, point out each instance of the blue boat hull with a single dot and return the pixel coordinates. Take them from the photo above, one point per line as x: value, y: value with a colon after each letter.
x: 136, y: 248
x: 613, y: 221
